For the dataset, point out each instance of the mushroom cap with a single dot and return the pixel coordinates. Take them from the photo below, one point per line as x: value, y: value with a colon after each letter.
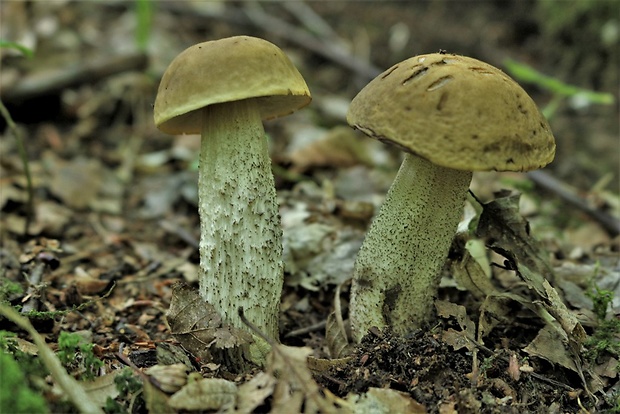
x: 457, y: 112
x: 227, y: 70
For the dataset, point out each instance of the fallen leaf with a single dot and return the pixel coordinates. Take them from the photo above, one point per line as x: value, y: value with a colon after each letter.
x: 102, y: 388
x: 385, y: 400
x: 253, y: 393
x: 198, y: 326
x: 76, y: 182
x: 296, y: 389
x: 205, y: 394
x: 470, y: 267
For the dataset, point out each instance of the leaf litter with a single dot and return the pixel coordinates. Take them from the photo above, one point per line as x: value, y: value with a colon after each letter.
x: 506, y: 339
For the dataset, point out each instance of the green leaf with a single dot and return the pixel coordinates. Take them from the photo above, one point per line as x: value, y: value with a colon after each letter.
x: 525, y: 73
x: 12, y: 45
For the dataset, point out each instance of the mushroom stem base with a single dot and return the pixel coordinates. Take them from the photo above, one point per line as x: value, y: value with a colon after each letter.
x: 398, y: 268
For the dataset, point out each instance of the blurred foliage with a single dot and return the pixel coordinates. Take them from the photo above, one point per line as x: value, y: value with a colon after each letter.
x: 16, y: 46
x: 594, y: 16
x: 579, y: 97
x: 582, y: 38
x: 144, y: 20
x: 17, y: 370
x: 15, y: 394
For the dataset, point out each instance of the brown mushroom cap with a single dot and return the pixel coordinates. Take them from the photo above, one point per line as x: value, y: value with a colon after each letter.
x: 227, y: 70
x: 456, y: 112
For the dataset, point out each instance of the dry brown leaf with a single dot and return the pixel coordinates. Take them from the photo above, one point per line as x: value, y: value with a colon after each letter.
x: 339, y: 147
x: 452, y: 337
x: 76, y: 182
x: 102, y: 388
x: 468, y: 271
x: 205, y: 394
x: 197, y: 325
x: 296, y: 389
x: 509, y: 235
x: 253, y: 393
x: 550, y: 345
x: 385, y: 401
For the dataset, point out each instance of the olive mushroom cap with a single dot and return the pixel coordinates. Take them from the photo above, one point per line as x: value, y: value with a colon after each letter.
x: 227, y: 70
x: 457, y: 112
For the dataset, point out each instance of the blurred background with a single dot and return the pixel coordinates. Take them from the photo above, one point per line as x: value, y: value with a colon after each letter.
x: 79, y: 79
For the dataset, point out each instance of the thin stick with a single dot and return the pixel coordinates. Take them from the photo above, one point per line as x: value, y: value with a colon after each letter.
x: 550, y: 183
x: 67, y: 383
x: 24, y: 157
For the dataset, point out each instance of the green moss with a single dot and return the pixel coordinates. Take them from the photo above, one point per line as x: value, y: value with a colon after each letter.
x: 8, y: 289
x: 75, y: 352
x: 606, y: 336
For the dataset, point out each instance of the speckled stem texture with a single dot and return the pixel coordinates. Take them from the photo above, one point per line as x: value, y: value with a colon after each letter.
x: 398, y: 268
x: 241, y: 236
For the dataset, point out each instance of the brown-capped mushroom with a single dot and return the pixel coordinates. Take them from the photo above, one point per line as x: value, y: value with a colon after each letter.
x: 223, y: 90
x: 452, y: 115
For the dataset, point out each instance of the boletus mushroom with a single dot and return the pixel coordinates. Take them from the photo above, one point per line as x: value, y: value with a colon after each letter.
x: 452, y: 115
x: 223, y: 90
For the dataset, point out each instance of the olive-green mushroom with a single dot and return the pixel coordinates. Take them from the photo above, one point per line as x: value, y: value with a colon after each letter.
x: 452, y: 115
x: 223, y: 90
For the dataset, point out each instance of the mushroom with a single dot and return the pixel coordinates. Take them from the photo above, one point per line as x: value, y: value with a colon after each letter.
x: 452, y: 115
x: 223, y: 90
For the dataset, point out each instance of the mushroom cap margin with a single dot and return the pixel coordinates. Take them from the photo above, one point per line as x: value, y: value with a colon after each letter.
x: 457, y: 112
x: 227, y: 70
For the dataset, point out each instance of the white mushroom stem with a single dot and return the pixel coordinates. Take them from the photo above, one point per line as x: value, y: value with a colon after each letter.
x: 241, y: 236
x: 398, y: 268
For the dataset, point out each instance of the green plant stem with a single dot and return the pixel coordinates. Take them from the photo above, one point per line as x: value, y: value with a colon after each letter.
x: 70, y: 386
x: 24, y: 157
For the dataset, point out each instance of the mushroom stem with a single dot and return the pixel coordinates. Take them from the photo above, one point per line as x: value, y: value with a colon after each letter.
x: 398, y: 268
x: 241, y: 236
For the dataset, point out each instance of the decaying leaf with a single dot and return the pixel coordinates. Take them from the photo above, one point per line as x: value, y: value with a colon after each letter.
x: 198, y: 326
x: 253, y: 393
x: 156, y: 400
x: 336, y: 337
x: 385, y: 400
x: 168, y: 378
x: 335, y: 331
x: 296, y: 391
x: 550, y: 345
x: 102, y: 388
x: 508, y: 234
x: 457, y: 339
x: 76, y: 182
x: 339, y: 147
x: 470, y: 268
x: 205, y: 394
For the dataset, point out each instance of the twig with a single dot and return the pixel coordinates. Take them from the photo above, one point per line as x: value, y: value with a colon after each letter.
x: 334, y: 52
x: 24, y: 157
x: 306, y: 329
x: 54, y: 81
x: 550, y: 183
x: 252, y: 15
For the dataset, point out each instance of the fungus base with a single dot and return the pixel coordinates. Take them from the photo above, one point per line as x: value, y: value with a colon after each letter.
x: 398, y: 268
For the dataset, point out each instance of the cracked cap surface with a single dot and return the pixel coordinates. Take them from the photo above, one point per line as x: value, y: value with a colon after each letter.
x: 227, y: 70
x: 456, y: 112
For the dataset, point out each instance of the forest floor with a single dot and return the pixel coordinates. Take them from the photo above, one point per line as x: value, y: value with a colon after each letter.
x: 113, y: 225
